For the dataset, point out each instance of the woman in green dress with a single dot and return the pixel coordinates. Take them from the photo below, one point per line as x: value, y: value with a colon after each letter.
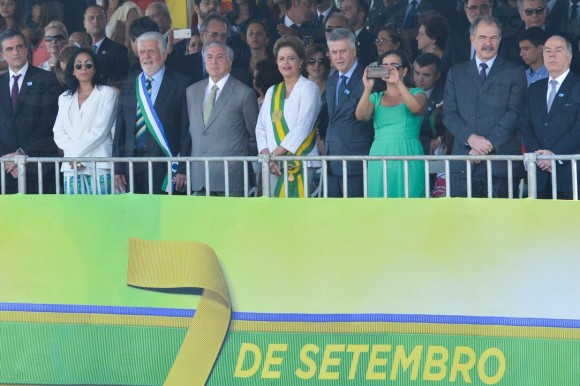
x: 397, y: 113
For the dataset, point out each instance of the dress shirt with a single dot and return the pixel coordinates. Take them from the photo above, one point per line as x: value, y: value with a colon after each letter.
x: 409, y: 6
x: 348, y: 75
x: 220, y: 84
x: 570, y: 5
x: 560, y: 80
x: 489, y: 64
x: 98, y: 44
x: 534, y: 76
x: 156, y: 83
x: 324, y: 13
x: 289, y: 23
x: 22, y: 72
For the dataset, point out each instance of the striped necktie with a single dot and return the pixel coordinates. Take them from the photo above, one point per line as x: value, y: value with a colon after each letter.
x: 141, y: 125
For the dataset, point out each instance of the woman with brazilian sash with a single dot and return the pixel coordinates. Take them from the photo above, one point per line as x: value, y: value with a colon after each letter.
x: 287, y: 121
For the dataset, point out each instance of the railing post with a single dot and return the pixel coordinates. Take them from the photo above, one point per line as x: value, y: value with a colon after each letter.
x: 20, y: 161
x: 264, y: 160
x: 530, y: 162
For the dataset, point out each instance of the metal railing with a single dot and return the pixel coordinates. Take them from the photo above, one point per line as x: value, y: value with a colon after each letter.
x: 261, y: 166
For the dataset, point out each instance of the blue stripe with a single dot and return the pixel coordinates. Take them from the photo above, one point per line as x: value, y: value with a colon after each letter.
x: 304, y: 318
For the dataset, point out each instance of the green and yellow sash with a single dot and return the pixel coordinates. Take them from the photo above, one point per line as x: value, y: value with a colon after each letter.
x: 295, y: 168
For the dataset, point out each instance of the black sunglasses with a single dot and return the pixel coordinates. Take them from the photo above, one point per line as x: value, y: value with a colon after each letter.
x: 538, y: 11
x: 330, y: 28
x: 87, y: 65
x: 320, y: 61
x: 50, y: 38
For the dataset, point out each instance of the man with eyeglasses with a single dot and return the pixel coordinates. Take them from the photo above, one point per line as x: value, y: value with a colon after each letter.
x: 345, y: 135
x: 29, y: 99
x: 533, y: 14
x: 483, y: 100
x: 111, y: 57
x: 459, y: 48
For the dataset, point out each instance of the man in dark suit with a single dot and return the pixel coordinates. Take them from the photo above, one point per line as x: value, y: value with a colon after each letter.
x: 28, y: 108
x: 111, y: 57
x: 427, y: 75
x: 324, y: 8
x: 482, y: 104
x: 459, y: 48
x: 356, y: 12
x: 345, y: 134
x: 222, y: 122
x: 551, y: 120
x: 298, y: 21
x: 163, y: 99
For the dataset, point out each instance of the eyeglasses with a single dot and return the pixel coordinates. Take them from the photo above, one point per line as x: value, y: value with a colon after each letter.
x: 87, y: 65
x: 217, y: 34
x: 330, y: 28
x: 56, y: 38
x: 320, y: 61
x: 381, y: 41
x: 538, y: 11
x: 396, y: 66
x: 482, y: 7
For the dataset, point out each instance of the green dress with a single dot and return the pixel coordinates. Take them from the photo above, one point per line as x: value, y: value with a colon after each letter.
x: 396, y: 133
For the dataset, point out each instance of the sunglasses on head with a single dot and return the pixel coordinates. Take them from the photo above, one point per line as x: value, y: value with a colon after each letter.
x: 330, y: 28
x: 87, y: 65
x: 56, y: 38
x: 313, y: 61
x: 538, y: 11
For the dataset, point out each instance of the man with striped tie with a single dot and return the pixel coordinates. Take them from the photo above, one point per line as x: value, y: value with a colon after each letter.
x: 152, y: 121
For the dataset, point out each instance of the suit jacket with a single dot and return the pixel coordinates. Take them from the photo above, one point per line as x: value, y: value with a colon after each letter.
x: 491, y: 110
x: 113, y: 61
x: 230, y: 132
x: 557, y: 130
x: 92, y: 137
x: 458, y: 48
x: 558, y: 19
x: 396, y: 13
x: 345, y: 134
x: 366, y: 48
x: 171, y: 108
x: 30, y: 126
x: 192, y: 67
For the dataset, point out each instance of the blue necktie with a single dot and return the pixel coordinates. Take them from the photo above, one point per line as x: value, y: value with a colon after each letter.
x: 411, y: 19
x: 340, y: 92
x: 482, y: 73
x: 141, y: 125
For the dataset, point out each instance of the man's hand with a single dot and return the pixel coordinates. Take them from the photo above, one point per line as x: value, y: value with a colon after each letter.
x: 479, y: 144
x: 180, y: 182
x: 120, y: 183
x: 11, y: 167
x: 545, y: 164
x: 283, y: 30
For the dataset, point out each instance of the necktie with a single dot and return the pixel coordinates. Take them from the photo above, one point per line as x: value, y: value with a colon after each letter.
x: 552, y: 96
x: 141, y: 125
x: 321, y: 19
x: 341, y: 89
x: 574, y: 10
x: 295, y: 27
x: 411, y: 18
x: 482, y: 73
x: 209, y: 103
x: 15, y: 92
x: 95, y: 48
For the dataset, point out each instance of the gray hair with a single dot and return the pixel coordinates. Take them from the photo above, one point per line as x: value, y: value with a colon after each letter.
x: 341, y: 34
x: 489, y: 20
x: 225, y: 47
x: 521, y: 4
x: 161, y: 6
x: 152, y: 35
x: 217, y: 17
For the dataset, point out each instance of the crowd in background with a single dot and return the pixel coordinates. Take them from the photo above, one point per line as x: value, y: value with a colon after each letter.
x: 290, y: 77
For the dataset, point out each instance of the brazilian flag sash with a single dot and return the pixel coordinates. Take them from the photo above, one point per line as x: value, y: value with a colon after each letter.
x: 295, y: 168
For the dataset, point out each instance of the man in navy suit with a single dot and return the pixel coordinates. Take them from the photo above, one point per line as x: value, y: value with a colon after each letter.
x: 483, y: 100
x: 345, y: 134
x: 169, y: 107
x: 551, y: 120
x: 28, y: 108
x: 112, y: 57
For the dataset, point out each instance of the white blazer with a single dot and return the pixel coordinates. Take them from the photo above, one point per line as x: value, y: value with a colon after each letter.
x: 86, y: 131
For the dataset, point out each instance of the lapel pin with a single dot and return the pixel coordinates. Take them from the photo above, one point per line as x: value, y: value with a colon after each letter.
x: 347, y: 91
x: 29, y: 84
x: 560, y: 95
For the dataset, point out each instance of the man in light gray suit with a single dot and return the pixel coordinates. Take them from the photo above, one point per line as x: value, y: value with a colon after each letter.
x: 222, y: 123
x: 482, y: 103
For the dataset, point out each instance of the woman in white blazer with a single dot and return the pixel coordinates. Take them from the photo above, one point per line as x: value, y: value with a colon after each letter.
x: 84, y: 124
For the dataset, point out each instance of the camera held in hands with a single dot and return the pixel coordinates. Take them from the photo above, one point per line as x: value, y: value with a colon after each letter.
x: 377, y: 72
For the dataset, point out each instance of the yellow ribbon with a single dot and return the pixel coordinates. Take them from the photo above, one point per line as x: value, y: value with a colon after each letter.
x: 186, y: 264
